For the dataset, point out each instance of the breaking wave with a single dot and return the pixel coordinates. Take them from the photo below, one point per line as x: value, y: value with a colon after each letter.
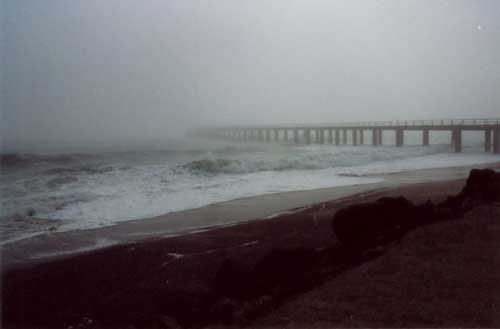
x: 306, y: 158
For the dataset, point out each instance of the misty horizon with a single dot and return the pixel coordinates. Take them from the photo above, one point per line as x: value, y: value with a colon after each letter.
x: 97, y: 75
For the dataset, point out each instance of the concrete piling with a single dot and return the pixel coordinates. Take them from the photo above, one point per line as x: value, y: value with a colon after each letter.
x: 425, y: 137
x: 399, y: 137
x: 496, y: 140
x: 456, y: 138
x: 487, y: 140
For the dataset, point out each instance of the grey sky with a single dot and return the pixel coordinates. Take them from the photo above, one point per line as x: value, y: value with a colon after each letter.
x: 93, y: 72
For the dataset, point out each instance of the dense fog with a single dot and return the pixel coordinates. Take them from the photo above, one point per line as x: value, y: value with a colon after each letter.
x: 96, y: 74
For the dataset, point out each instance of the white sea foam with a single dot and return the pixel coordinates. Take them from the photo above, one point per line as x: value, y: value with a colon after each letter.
x: 442, y: 160
x: 102, y: 189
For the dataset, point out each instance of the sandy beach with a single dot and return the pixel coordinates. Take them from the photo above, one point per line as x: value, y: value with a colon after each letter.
x: 147, y: 275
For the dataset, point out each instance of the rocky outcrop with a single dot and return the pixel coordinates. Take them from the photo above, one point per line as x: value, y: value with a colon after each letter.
x: 370, y: 224
x: 367, y: 225
x: 483, y: 186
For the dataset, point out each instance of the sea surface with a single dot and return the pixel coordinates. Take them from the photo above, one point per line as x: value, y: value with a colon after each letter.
x: 58, y: 192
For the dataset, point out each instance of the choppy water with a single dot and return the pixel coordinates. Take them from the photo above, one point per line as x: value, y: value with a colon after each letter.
x: 77, y: 191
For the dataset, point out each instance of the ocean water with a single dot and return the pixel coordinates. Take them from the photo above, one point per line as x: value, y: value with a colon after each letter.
x: 40, y: 193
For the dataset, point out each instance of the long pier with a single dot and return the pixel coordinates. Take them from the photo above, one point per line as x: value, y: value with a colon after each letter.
x: 337, y: 133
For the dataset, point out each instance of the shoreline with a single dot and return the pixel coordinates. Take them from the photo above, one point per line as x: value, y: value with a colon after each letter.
x: 54, y: 245
x: 142, y: 282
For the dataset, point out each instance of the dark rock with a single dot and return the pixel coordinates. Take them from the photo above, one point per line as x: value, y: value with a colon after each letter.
x: 425, y: 213
x: 254, y: 308
x: 366, y: 225
x: 232, y: 280
x: 282, y: 271
x: 482, y: 186
x: 168, y: 322
x: 225, y: 311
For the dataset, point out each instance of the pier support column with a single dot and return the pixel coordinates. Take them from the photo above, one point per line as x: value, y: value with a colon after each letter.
x: 296, y: 136
x: 425, y: 137
x: 487, y: 140
x: 355, y: 137
x: 344, y: 136
x: 380, y: 137
x: 260, y: 135
x: 456, y: 138
x: 374, y: 137
x: 337, y: 137
x: 321, y: 136
x: 399, y: 137
x: 330, y: 136
x: 268, y: 135
x: 285, y: 137
x: 496, y: 140
x: 361, y: 136
x: 276, y: 135
x: 307, y: 133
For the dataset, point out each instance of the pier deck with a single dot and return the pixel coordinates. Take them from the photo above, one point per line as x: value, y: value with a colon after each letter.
x: 337, y: 133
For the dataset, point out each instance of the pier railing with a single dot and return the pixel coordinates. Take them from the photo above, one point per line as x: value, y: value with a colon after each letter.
x: 414, y: 123
x: 374, y: 124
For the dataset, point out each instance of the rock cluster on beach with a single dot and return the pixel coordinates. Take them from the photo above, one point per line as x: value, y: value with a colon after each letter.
x: 145, y: 286
x: 366, y: 225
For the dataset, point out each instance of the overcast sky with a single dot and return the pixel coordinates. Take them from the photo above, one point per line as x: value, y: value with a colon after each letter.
x: 95, y: 72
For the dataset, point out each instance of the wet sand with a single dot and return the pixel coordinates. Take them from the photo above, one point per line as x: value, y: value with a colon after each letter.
x: 53, y: 245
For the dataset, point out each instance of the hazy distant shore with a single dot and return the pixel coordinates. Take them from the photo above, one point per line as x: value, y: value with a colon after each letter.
x: 182, y: 268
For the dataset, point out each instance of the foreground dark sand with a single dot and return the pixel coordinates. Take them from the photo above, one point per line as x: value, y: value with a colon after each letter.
x: 443, y: 275
x: 440, y: 275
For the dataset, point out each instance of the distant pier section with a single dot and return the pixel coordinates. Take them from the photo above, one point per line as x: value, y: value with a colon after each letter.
x: 361, y: 132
